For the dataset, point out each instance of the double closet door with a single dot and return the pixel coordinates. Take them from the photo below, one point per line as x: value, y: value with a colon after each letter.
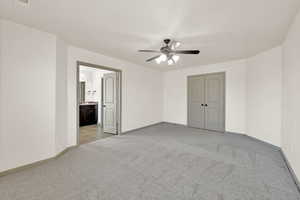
x: 206, y: 101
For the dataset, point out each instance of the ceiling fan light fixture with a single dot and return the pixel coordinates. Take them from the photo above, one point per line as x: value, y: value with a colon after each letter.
x: 170, y: 61
x: 175, y: 58
x: 158, y: 60
x: 168, y: 52
x: 177, y: 44
x: 163, y: 57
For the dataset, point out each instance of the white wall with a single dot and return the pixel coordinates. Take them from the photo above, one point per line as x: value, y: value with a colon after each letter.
x: 142, y: 91
x: 264, y: 98
x: 175, y: 93
x: 291, y: 96
x: 88, y: 77
x: 61, y: 136
x: 28, y: 61
x: 37, y: 94
x: 2, y: 165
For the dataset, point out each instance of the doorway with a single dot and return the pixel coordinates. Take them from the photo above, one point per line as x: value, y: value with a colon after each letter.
x: 99, y: 102
x: 206, y: 101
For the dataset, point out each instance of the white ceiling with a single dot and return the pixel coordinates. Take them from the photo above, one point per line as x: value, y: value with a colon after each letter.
x: 221, y: 29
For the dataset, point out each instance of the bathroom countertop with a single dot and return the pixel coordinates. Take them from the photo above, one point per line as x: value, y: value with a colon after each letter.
x: 88, y: 103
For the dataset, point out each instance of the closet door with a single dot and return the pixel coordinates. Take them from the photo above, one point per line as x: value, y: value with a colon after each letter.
x: 215, y: 102
x: 196, y: 99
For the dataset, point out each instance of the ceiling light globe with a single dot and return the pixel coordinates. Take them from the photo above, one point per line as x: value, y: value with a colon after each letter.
x: 177, y: 44
x: 158, y: 60
x: 170, y: 62
x: 175, y: 58
x: 163, y: 57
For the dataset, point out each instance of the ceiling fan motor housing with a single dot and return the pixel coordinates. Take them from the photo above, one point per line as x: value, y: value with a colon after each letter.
x: 165, y: 50
x: 167, y: 41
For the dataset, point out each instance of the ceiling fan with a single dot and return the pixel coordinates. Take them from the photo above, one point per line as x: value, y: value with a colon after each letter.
x: 168, y: 52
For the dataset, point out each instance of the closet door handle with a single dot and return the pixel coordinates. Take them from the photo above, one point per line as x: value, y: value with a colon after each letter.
x: 202, y: 104
x: 206, y: 105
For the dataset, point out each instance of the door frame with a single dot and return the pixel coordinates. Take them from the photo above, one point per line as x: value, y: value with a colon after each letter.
x: 118, y: 89
x: 224, y: 97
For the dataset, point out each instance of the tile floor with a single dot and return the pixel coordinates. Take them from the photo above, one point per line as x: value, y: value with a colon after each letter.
x: 91, y: 133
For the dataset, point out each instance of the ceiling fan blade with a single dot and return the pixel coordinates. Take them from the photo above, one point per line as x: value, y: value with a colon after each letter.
x: 151, y: 51
x: 153, y: 58
x: 186, y: 52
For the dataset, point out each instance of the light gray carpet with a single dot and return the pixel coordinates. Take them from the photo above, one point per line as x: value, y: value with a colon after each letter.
x: 166, y: 162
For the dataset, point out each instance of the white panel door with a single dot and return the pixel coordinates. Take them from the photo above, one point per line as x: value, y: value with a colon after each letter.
x: 214, y: 102
x: 109, y: 103
x: 196, y: 98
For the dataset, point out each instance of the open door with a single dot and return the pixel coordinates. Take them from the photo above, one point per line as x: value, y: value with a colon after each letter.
x: 109, y: 103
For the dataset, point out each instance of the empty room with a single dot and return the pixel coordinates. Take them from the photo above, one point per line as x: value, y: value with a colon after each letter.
x: 150, y: 100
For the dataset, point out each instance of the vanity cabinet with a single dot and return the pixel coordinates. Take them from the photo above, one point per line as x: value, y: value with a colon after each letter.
x: 88, y: 114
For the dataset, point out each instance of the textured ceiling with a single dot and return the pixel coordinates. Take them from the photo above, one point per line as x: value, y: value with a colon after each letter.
x: 221, y: 30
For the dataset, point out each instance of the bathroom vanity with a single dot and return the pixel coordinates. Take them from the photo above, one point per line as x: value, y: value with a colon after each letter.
x: 88, y: 113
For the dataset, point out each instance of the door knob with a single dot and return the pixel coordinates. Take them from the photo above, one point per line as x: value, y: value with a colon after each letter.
x: 202, y: 104
x: 205, y: 105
